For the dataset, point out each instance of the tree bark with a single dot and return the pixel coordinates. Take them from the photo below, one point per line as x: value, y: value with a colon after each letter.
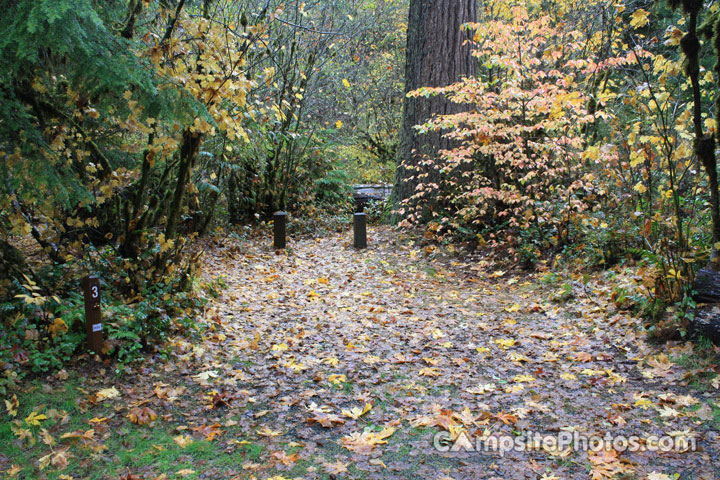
x: 438, y: 54
x: 188, y: 153
x: 706, y: 282
x: 12, y: 261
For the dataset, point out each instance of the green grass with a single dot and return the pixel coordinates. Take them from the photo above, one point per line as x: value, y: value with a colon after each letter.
x: 715, y: 421
x: 702, y: 361
x: 151, y: 450
x: 431, y: 271
x: 128, y: 447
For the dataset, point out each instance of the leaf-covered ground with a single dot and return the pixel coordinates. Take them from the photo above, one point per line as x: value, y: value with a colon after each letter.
x: 327, y: 362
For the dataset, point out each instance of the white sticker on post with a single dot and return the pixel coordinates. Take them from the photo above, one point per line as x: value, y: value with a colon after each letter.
x: 97, y: 327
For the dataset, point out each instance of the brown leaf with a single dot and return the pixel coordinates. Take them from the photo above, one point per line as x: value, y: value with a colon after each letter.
x: 327, y: 420
x: 142, y: 415
x: 286, y: 459
x: 335, y: 468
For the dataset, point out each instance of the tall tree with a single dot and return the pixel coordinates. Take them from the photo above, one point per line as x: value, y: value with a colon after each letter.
x: 438, y: 54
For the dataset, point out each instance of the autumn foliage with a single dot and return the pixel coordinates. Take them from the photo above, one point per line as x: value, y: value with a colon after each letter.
x: 522, y: 135
x: 576, y: 137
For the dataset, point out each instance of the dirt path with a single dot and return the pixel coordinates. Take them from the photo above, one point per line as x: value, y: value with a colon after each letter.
x: 326, y: 362
x: 436, y: 347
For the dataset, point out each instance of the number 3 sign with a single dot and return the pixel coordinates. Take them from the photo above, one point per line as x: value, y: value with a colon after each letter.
x: 93, y: 315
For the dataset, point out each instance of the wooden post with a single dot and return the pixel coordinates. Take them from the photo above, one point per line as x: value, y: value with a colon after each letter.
x: 279, y: 220
x: 360, y: 230
x: 93, y: 315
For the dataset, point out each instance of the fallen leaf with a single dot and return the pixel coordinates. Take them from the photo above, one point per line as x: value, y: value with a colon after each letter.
x: 142, y: 415
x: 107, y: 393
x: 183, y: 440
x: 34, y: 419
x: 357, y: 412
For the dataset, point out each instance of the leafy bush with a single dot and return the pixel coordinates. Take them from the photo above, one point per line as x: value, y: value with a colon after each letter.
x: 566, y: 140
x: 40, y: 332
x: 333, y: 190
x: 378, y: 211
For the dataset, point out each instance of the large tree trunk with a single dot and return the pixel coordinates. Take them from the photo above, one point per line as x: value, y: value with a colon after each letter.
x: 438, y: 54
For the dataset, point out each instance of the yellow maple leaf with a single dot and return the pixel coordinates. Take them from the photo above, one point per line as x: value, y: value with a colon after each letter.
x: 58, y: 327
x: 35, y: 419
x: 710, y: 124
x: 268, y: 432
x: 357, y: 412
x: 183, y: 440
x: 636, y: 158
x: 640, y: 188
x: 592, y: 153
x: 107, y: 393
x: 505, y: 342
x: 514, y: 308
x: 165, y: 244
x: 365, y: 442
x: 12, y: 405
x: 639, y: 18
x: 372, y: 359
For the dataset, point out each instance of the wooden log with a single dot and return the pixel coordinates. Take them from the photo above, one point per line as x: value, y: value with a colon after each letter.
x: 707, y: 286
x: 706, y: 323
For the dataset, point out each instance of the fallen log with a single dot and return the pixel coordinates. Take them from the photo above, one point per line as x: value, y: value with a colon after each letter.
x: 707, y: 286
x: 706, y: 322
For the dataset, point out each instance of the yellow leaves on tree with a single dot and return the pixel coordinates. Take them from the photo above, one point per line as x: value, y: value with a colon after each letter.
x: 639, y: 18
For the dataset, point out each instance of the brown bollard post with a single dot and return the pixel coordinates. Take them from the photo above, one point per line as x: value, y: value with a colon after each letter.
x: 93, y: 315
x: 360, y: 230
x: 279, y: 220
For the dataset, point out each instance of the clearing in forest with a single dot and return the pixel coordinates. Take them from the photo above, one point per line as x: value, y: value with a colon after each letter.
x: 326, y: 362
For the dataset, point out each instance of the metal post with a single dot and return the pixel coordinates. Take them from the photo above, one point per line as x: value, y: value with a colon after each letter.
x: 360, y: 230
x: 279, y: 220
x: 93, y: 315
